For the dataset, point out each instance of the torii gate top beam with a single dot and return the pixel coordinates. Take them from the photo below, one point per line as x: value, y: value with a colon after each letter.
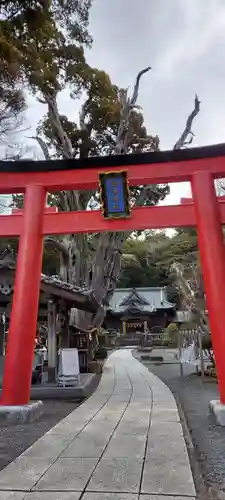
x: 143, y: 169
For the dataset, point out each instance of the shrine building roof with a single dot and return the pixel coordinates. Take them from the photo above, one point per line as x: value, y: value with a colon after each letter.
x: 147, y: 300
x: 78, y: 297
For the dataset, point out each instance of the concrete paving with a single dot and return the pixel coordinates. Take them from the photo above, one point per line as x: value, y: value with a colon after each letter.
x: 124, y: 443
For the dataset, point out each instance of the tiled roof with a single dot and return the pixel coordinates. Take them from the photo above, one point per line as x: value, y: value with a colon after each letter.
x: 82, y: 298
x: 146, y: 299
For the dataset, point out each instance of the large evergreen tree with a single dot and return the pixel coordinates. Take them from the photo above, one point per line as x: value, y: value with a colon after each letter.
x: 43, y: 46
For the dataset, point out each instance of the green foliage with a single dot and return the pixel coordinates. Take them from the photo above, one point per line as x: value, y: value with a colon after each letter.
x: 147, y: 262
x: 41, y: 43
x: 165, y: 338
x: 42, y: 47
x: 172, y: 330
x: 12, y: 105
x: 180, y: 248
x: 171, y: 333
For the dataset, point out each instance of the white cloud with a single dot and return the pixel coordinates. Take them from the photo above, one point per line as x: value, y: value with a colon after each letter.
x: 204, y: 25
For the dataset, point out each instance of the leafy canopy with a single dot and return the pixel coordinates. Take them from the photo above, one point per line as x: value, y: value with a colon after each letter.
x: 41, y: 42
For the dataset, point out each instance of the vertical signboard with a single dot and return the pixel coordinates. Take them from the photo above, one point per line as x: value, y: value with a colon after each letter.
x: 114, y: 193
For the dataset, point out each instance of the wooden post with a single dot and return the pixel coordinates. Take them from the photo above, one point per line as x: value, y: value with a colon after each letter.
x: 52, y: 341
x: 64, y: 329
x: 180, y: 336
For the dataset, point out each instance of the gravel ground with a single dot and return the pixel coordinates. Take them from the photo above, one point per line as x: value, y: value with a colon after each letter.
x: 14, y: 439
x: 208, y: 438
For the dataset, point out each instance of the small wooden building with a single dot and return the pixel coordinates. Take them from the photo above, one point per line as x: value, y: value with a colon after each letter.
x: 139, y: 310
x: 56, y: 300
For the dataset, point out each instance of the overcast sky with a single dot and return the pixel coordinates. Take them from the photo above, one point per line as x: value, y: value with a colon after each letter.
x: 184, y: 42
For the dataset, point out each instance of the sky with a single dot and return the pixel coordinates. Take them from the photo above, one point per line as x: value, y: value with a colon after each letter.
x: 184, y: 43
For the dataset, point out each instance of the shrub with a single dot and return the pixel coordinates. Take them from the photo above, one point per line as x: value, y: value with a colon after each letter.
x: 101, y: 353
x: 171, y: 334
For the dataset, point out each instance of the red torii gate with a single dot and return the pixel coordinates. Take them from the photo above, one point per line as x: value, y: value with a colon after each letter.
x: 199, y: 166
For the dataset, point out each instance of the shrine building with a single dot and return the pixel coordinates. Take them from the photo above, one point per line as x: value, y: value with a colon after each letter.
x: 139, y: 310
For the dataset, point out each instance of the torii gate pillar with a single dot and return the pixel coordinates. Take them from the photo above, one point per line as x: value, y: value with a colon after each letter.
x: 211, y: 246
x: 21, y: 339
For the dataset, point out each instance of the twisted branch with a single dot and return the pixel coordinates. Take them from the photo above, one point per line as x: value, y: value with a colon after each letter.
x: 127, y: 105
x: 133, y: 99
x: 184, y: 140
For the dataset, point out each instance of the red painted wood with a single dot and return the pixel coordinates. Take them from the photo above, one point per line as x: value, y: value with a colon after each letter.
x: 10, y: 225
x: 19, y: 211
x: 179, y: 171
x: 212, y: 252
x: 141, y: 218
x: 160, y: 217
x: 190, y: 200
x: 22, y: 331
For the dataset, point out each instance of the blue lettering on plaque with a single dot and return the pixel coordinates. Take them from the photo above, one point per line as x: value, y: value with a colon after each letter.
x: 115, y: 194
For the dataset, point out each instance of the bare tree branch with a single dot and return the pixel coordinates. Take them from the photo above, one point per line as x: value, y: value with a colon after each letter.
x: 134, y: 97
x: 43, y: 146
x: 187, y: 135
x: 66, y: 145
x: 127, y: 105
x: 87, y: 127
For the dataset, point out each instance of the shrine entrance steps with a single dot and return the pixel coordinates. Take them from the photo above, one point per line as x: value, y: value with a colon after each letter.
x: 124, y: 443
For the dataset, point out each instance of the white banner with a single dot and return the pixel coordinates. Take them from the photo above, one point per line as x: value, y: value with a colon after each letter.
x: 189, y: 354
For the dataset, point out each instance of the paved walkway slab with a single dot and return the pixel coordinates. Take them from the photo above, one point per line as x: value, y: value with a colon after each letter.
x: 124, y: 443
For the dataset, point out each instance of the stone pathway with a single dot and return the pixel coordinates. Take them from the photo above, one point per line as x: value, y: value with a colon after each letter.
x: 124, y: 443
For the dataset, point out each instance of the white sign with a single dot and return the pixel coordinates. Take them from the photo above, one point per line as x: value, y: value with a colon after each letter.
x: 69, y: 363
